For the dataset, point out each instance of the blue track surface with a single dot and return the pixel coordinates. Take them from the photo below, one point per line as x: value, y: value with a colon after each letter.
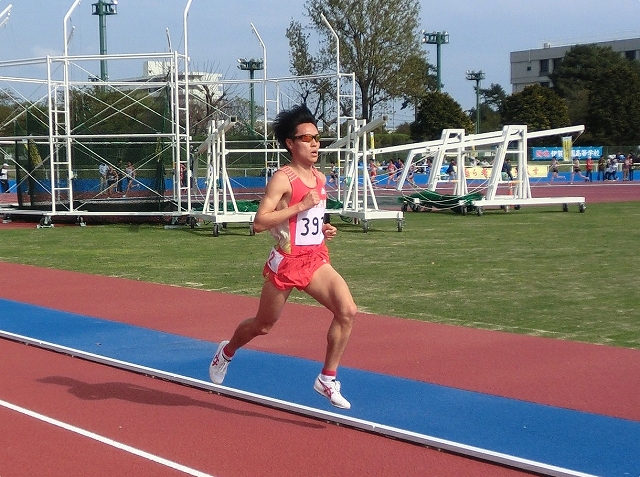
x: 581, y: 442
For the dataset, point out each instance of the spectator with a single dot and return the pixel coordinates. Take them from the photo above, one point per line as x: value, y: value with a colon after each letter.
x: 451, y: 170
x: 588, y: 165
x: 602, y: 165
x: 102, y: 171
x: 4, y: 178
x: 625, y: 167
x: 120, y: 172
x: 112, y: 180
x: 506, y: 169
x: 333, y: 174
x: 611, y: 170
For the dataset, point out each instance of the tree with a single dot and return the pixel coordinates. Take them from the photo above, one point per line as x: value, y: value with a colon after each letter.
x: 377, y: 39
x: 492, y: 99
x: 438, y: 111
x: 493, y: 96
x: 613, y: 117
x: 536, y: 106
x: 316, y: 93
x: 602, y: 89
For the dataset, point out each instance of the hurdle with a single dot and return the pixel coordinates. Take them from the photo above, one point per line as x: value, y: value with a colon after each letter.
x: 358, y: 197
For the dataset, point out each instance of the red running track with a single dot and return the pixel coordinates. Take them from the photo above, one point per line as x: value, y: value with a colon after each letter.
x: 226, y: 437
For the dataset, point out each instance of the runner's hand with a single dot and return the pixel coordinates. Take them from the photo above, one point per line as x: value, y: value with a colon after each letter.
x: 329, y: 231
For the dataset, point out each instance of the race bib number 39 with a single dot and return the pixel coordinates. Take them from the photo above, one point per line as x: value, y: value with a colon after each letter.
x: 309, y: 227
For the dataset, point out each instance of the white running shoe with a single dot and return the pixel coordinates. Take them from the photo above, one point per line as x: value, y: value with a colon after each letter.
x: 331, y: 391
x: 219, y: 365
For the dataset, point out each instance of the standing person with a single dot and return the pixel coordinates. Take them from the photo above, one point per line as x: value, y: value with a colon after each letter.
x: 293, y: 209
x: 602, y: 165
x: 631, y: 165
x: 451, y: 170
x: 4, y: 178
x: 102, y: 170
x: 507, y: 168
x: 588, y: 165
x: 625, y: 167
x: 112, y: 181
x: 120, y: 172
x: 333, y: 174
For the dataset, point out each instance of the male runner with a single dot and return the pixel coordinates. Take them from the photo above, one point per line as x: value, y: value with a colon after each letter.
x: 293, y: 209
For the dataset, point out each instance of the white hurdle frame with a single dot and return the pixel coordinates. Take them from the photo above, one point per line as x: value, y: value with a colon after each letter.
x: 456, y: 142
x: 359, y: 200
x: 219, y: 188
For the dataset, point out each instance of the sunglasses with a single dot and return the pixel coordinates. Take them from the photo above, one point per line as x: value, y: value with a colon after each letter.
x: 308, y: 137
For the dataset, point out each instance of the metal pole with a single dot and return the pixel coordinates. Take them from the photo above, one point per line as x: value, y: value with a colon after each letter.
x: 103, y: 8
x: 437, y: 38
x: 476, y: 76
x: 478, y: 106
x: 439, y: 65
x: 253, y: 101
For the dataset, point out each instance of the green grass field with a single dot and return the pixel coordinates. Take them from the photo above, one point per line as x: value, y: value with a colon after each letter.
x: 538, y: 270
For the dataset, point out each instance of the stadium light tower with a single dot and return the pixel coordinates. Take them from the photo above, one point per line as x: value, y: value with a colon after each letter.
x: 436, y: 38
x: 476, y: 76
x: 103, y: 9
x: 251, y: 66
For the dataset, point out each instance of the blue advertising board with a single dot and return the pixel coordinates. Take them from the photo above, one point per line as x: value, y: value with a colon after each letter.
x: 548, y: 153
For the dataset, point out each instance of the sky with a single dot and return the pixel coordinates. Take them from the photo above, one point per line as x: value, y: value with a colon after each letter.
x: 481, y: 33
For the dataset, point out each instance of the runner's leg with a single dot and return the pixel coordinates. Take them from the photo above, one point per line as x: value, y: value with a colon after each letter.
x: 330, y: 290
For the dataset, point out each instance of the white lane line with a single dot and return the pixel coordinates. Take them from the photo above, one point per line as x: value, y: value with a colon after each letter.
x: 105, y: 440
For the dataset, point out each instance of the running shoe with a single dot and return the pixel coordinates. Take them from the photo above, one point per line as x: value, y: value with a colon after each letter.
x: 331, y: 391
x: 219, y: 365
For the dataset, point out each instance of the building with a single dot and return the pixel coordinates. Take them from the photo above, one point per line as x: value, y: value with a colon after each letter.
x: 203, y: 85
x: 534, y: 66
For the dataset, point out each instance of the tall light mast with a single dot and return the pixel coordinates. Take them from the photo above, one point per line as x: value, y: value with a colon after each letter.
x: 103, y: 9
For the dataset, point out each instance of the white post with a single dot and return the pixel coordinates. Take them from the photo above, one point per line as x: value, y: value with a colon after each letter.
x: 264, y: 101
x: 64, y: 26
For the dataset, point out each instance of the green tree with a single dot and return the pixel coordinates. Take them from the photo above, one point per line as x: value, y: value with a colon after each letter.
x: 319, y: 93
x: 438, y: 111
x: 602, y: 90
x: 491, y: 101
x: 536, y: 106
x: 614, y: 109
x: 377, y: 40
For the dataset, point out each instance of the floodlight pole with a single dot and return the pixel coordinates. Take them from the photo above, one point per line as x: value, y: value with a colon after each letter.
x: 476, y: 76
x: 436, y: 38
x: 103, y: 9
x: 252, y: 66
x: 264, y: 77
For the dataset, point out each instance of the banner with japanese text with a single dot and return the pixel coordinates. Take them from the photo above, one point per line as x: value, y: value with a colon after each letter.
x: 548, y: 153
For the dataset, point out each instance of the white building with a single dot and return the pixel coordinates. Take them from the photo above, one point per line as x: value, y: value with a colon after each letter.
x: 534, y: 66
x: 199, y: 82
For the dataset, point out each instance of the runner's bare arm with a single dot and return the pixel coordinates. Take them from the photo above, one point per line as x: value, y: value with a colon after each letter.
x: 274, y: 208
